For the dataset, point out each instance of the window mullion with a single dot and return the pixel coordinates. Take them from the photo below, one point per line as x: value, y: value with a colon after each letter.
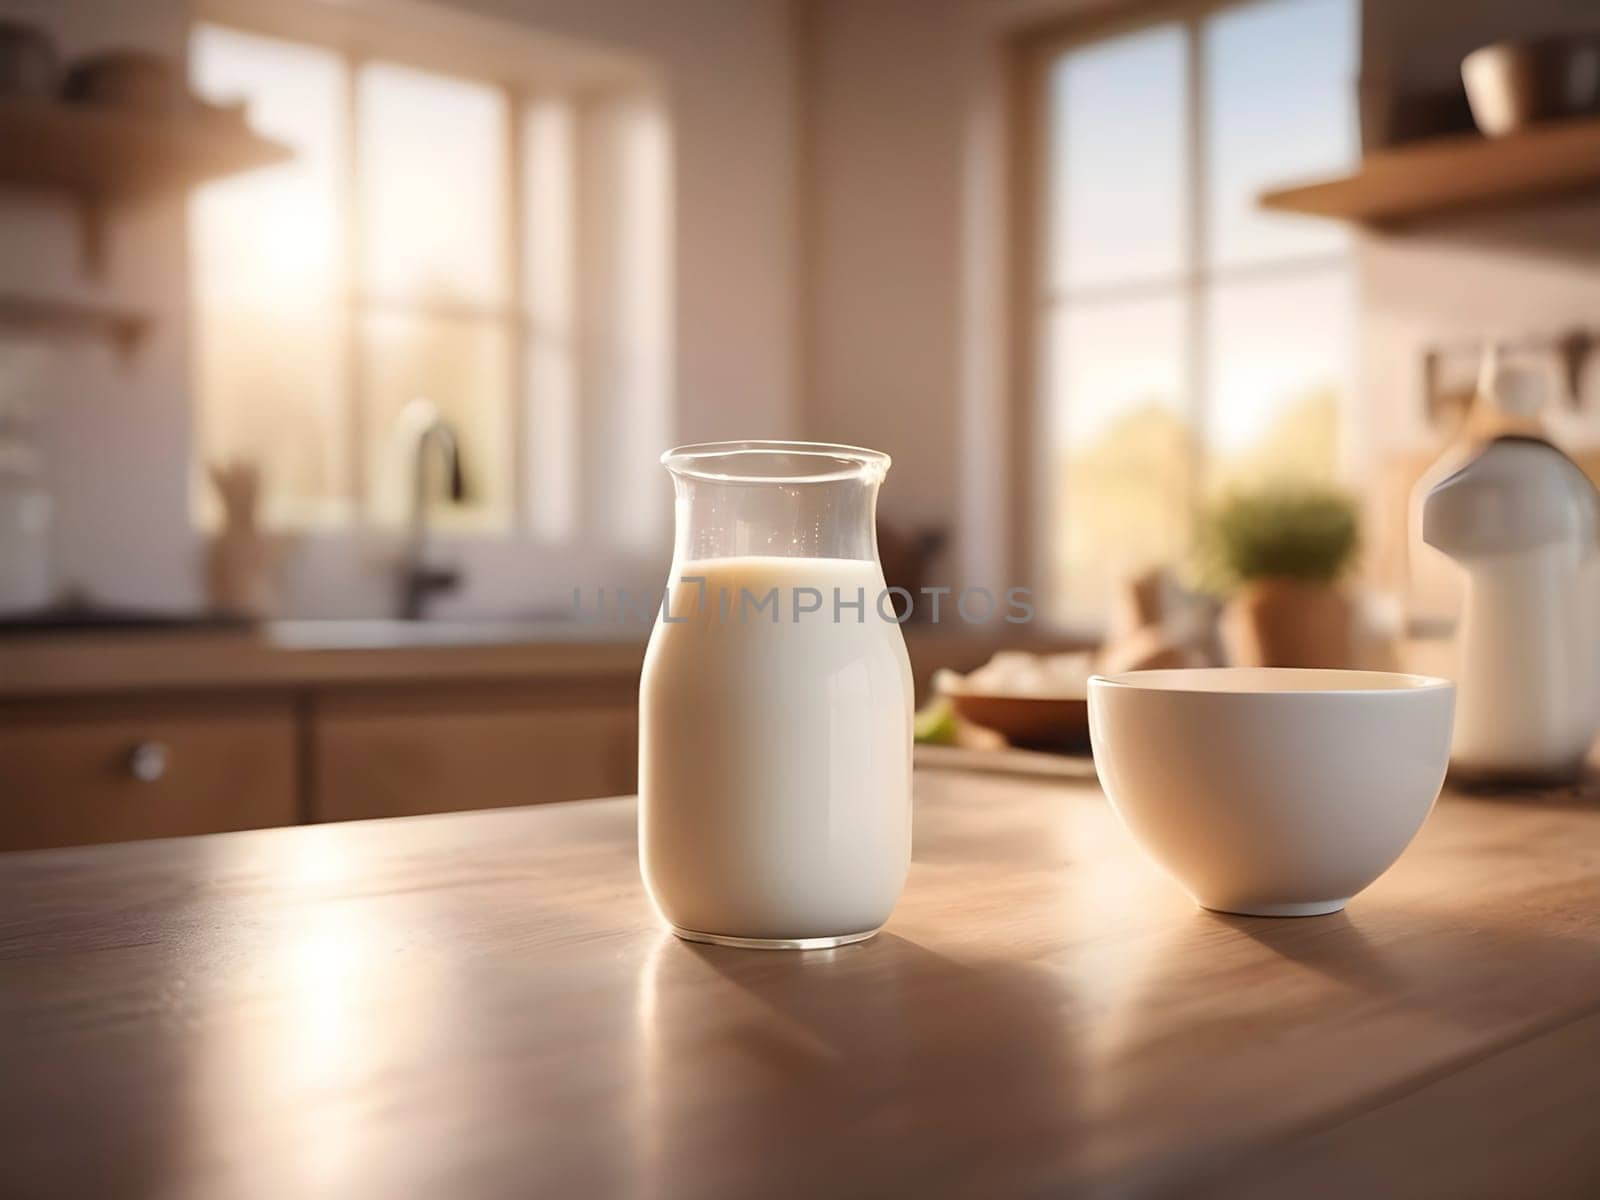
x: 516, y: 321
x: 354, y: 259
x: 1196, y: 358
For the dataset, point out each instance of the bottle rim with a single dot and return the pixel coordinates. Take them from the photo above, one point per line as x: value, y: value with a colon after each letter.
x: 775, y: 462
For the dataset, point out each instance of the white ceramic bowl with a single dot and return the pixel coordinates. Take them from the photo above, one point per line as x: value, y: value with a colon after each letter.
x: 1271, y: 791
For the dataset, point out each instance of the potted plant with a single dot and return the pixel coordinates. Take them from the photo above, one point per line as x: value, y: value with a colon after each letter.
x: 1277, y: 554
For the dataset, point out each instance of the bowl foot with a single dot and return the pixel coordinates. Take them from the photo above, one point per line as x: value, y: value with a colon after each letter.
x: 748, y: 943
x: 1312, y: 908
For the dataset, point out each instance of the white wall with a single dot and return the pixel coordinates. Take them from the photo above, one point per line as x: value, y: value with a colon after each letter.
x: 117, y: 436
x: 883, y: 268
x: 115, y: 433
x: 907, y: 162
x: 732, y: 89
x: 1534, y: 270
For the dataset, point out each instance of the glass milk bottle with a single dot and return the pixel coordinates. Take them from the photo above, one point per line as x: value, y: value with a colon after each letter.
x: 775, y: 704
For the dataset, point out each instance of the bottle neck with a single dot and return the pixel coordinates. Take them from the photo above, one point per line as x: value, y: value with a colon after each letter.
x: 831, y: 519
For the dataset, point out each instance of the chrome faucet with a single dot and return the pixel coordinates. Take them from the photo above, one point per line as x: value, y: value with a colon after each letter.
x: 419, y: 580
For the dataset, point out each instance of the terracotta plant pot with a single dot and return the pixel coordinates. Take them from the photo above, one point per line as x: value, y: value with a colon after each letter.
x: 1288, y: 623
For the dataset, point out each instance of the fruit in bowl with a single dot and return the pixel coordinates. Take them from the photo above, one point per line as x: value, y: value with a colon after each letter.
x: 1034, y: 701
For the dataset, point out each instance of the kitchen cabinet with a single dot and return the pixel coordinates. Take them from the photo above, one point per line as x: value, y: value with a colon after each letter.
x: 73, y: 772
x: 156, y: 737
x: 402, y: 751
x: 243, y: 729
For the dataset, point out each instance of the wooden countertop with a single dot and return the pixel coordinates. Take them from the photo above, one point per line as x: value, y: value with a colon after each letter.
x: 355, y: 653
x: 53, y: 664
x: 484, y: 1005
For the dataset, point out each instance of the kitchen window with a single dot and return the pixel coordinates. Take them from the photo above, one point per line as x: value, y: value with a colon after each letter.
x: 443, y: 236
x: 1187, y: 342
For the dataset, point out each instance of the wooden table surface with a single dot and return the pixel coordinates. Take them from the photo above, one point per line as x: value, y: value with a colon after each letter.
x: 484, y: 1005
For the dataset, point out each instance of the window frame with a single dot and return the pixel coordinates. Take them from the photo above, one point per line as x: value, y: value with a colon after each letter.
x: 1033, y: 299
x: 353, y: 510
x: 524, y: 68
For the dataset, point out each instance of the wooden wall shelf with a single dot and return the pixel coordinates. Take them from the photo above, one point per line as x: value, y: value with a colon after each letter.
x: 1429, y: 179
x: 101, y: 156
x: 109, y: 154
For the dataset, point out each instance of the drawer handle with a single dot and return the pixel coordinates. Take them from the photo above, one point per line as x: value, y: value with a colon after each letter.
x: 147, y: 762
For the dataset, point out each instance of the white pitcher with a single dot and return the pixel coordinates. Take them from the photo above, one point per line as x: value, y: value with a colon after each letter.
x: 1523, y: 522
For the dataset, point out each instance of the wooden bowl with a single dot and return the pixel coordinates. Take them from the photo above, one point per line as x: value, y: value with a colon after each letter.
x: 1029, y: 722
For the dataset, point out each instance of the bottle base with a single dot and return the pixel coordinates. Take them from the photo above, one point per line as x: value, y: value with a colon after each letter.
x: 745, y: 943
x: 1309, y: 908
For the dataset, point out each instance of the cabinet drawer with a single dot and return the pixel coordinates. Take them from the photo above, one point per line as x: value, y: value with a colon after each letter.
x: 73, y: 772
x: 400, y: 756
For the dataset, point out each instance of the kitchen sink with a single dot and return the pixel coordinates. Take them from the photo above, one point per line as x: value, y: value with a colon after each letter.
x: 325, y: 634
x: 95, y: 619
x: 379, y: 633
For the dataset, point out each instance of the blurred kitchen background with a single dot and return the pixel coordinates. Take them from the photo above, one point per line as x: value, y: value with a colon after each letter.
x: 339, y: 339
